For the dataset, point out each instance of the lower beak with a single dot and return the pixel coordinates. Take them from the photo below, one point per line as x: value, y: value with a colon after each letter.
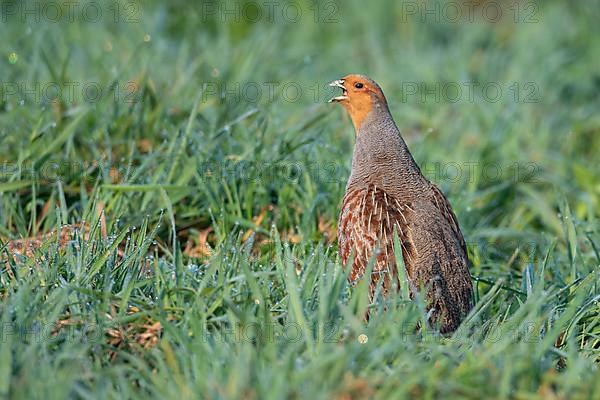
x: 339, y: 84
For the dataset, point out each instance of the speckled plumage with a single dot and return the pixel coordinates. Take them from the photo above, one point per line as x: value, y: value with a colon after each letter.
x: 385, y: 192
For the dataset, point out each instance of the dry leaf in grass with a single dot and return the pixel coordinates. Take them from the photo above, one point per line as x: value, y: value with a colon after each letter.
x: 143, y: 334
x: 149, y: 338
x: 291, y: 237
x: 115, y: 175
x: 257, y: 221
x: 66, y: 234
x: 547, y: 389
x: 355, y: 388
x: 328, y: 229
x: 201, y: 248
x: 63, y: 323
x: 144, y: 145
x: 116, y: 338
x: 45, y: 210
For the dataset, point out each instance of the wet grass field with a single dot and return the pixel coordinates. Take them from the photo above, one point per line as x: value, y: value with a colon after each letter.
x: 189, y: 151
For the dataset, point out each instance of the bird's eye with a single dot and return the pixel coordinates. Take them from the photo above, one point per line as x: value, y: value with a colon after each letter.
x: 358, y: 85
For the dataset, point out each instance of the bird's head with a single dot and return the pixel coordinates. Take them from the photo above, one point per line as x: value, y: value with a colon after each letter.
x: 360, y: 95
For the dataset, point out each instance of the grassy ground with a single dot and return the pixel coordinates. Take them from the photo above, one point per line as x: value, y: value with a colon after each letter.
x: 203, y: 135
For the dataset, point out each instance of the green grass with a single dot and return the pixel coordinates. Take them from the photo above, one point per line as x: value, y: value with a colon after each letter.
x: 263, y: 309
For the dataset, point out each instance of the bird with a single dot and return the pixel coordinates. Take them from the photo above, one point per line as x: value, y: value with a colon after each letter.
x: 387, y: 195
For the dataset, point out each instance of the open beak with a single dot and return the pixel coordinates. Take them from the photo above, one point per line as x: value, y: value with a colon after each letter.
x: 339, y: 84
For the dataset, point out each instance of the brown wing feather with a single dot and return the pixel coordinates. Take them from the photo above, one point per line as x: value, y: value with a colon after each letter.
x: 442, y: 266
x: 444, y: 206
x: 366, y: 223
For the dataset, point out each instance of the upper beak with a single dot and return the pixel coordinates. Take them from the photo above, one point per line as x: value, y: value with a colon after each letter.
x: 339, y: 83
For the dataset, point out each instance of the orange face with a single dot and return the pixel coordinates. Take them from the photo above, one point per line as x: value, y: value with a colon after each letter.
x: 359, y: 96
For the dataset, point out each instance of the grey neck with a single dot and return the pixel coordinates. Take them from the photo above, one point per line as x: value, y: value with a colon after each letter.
x: 381, y: 157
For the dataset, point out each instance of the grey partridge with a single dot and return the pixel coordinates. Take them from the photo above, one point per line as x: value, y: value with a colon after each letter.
x: 387, y: 193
